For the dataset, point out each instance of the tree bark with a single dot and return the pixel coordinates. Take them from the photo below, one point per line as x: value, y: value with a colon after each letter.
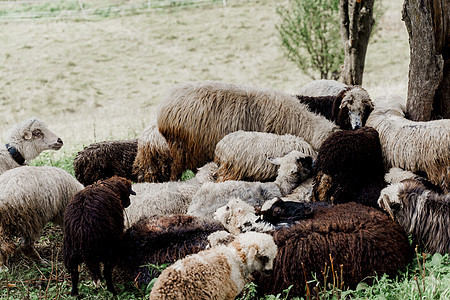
x: 426, y: 68
x: 356, y: 26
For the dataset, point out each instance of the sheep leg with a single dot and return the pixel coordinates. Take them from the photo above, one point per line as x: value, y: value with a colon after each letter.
x: 75, y: 278
x: 27, y: 248
x: 94, y: 269
x: 107, y: 273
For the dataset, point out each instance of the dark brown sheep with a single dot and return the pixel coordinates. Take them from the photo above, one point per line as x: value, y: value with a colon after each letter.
x: 105, y: 159
x: 361, y: 241
x: 94, y: 228
x: 349, y: 167
x: 162, y: 240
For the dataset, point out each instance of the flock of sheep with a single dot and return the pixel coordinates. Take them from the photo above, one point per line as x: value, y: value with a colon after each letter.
x: 287, y: 185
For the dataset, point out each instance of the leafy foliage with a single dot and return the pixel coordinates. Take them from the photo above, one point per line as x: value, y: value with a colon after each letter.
x: 309, y: 31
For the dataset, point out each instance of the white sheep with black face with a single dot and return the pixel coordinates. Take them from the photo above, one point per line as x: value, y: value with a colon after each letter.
x: 26, y: 141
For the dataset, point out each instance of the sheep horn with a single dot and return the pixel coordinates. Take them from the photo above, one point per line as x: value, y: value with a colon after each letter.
x: 387, y: 207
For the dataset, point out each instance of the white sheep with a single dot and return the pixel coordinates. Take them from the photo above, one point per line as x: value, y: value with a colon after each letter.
x: 30, y: 197
x: 166, y: 198
x: 410, y: 145
x: 322, y: 87
x: 219, y: 272
x: 293, y: 169
x: 26, y: 141
x: 242, y: 155
x: 194, y: 116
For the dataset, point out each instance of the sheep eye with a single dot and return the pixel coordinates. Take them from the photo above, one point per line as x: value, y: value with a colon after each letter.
x: 227, y: 208
x: 37, y: 133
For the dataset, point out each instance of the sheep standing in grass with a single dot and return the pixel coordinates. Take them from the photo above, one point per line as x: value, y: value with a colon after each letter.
x: 242, y: 155
x: 166, y: 198
x: 25, y: 141
x: 361, y: 241
x: 421, y: 212
x: 217, y: 273
x: 195, y: 116
x: 93, y: 229
x: 105, y: 159
x: 30, y: 197
x: 152, y: 163
x: 347, y: 106
x: 160, y: 240
x: 293, y: 169
x: 349, y: 167
x: 410, y: 145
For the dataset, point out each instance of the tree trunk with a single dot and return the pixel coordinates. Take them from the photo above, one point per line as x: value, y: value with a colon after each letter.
x: 356, y: 26
x: 426, y: 63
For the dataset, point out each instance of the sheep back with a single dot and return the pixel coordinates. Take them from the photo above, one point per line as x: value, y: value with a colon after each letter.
x: 162, y: 240
x: 105, y: 159
x: 243, y: 155
x: 363, y: 240
x: 195, y: 116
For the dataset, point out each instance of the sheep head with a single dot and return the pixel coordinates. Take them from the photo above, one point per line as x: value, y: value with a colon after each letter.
x: 285, y: 211
x: 355, y: 108
x: 31, y: 137
x: 122, y: 187
x: 236, y: 215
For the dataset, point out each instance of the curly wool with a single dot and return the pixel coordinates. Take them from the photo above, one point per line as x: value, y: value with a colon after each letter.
x: 195, y: 116
x: 410, y: 145
x: 152, y: 163
x: 104, y: 160
x: 242, y: 155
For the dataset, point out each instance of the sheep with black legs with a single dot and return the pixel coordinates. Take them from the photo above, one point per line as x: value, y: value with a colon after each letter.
x: 105, y: 159
x: 93, y: 229
x: 347, y: 106
x: 165, y: 198
x: 160, y: 240
x: 242, y: 155
x: 364, y: 240
x: 219, y: 272
x: 26, y: 141
x: 421, y: 212
x: 152, y: 163
x: 410, y: 145
x: 349, y: 167
x: 293, y: 169
x: 30, y: 197
x: 193, y: 117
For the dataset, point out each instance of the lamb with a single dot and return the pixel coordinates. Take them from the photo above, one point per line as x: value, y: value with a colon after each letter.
x: 410, y: 145
x: 165, y: 198
x: 93, y: 229
x: 152, y: 163
x: 217, y: 273
x: 26, y: 141
x: 349, y: 167
x: 161, y: 240
x: 364, y: 240
x: 30, y: 197
x: 105, y: 159
x: 242, y: 155
x: 421, y: 212
x: 294, y: 168
x: 347, y: 106
x: 195, y: 116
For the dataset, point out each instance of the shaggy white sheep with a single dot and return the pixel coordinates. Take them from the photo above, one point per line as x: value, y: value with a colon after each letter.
x: 410, y: 145
x: 166, y: 198
x: 293, y: 169
x: 30, y: 197
x: 217, y: 273
x: 195, y: 116
x: 242, y: 155
x: 25, y: 141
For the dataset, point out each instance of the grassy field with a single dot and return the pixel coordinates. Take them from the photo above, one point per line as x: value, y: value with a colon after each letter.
x: 101, y: 78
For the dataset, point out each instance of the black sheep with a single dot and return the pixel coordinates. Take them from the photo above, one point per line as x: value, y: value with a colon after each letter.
x: 94, y: 228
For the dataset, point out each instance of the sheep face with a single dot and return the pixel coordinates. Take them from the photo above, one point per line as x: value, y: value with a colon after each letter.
x: 286, y: 211
x: 258, y: 249
x: 356, y: 107
x: 236, y: 215
x: 295, y: 164
x: 35, y: 134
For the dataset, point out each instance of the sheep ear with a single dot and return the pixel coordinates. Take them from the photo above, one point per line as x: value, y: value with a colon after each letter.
x: 27, y: 134
x: 252, y: 252
x: 274, y: 160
